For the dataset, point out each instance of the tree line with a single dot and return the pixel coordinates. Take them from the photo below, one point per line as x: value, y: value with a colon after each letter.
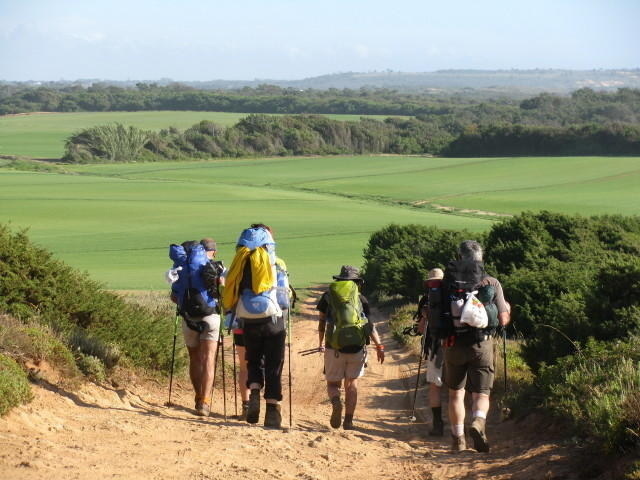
x: 582, y: 106
x: 268, y: 135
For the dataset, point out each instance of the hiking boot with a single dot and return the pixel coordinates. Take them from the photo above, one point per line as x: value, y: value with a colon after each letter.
x: 336, y: 412
x: 243, y: 412
x: 437, y: 430
x: 458, y: 444
x: 476, y: 431
x: 253, y: 410
x: 272, y: 417
x: 203, y: 409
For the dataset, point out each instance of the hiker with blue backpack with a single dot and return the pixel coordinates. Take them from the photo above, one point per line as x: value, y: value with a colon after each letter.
x: 195, y: 280
x: 250, y: 294
x: 344, y: 331
x: 473, y: 307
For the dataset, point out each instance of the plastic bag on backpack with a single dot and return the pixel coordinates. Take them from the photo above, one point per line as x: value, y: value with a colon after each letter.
x: 473, y: 313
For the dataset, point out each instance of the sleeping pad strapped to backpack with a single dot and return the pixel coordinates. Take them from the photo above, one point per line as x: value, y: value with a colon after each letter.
x: 461, y: 280
x: 193, y: 297
x: 349, y: 323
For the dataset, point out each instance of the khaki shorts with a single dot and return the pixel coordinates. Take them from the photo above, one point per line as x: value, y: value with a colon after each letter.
x: 212, y: 332
x: 344, y: 365
x: 470, y: 366
x: 434, y: 367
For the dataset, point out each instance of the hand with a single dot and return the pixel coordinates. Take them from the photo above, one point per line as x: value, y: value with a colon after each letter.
x: 321, y: 349
x: 380, y: 354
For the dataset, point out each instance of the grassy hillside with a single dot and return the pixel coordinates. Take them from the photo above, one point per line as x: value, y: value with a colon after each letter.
x: 116, y: 221
x: 43, y: 135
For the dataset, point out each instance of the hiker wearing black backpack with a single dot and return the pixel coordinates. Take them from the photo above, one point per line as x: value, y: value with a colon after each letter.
x: 432, y: 349
x: 344, y: 330
x: 473, y: 307
x: 195, y: 290
x: 251, y: 295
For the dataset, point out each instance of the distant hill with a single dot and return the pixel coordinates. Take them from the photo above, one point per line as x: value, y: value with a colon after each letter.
x: 443, y: 81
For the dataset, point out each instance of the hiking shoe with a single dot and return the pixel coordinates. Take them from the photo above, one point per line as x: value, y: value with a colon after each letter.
x: 243, y: 412
x: 437, y: 430
x: 203, y: 409
x: 336, y: 412
x: 458, y: 444
x: 253, y: 409
x: 476, y: 431
x: 348, y: 424
x: 272, y: 417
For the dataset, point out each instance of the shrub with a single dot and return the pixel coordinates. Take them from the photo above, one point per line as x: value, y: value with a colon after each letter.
x: 14, y: 385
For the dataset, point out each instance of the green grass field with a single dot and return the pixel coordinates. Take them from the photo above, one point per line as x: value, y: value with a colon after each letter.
x: 43, y: 135
x: 116, y: 221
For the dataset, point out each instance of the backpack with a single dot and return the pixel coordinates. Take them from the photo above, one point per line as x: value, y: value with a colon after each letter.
x: 252, y: 305
x: 285, y: 293
x: 193, y: 298
x: 459, y: 295
x: 349, y: 323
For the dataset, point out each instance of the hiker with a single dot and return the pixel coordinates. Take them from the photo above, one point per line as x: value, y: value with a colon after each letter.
x: 250, y: 293
x: 433, y: 352
x: 469, y: 322
x: 344, y: 330
x: 195, y: 292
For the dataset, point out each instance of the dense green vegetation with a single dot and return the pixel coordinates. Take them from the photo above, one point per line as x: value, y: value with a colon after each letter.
x: 44, y: 135
x: 14, y: 385
x: 574, y: 284
x: 89, y: 321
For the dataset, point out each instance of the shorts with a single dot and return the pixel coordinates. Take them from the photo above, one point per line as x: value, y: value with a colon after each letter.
x: 344, y: 365
x: 434, y: 367
x: 212, y: 332
x: 470, y: 366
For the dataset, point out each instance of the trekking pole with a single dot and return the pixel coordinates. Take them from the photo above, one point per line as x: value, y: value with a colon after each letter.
x: 173, y: 355
x: 290, y: 383
x: 415, y: 392
x: 235, y: 380
x: 504, y: 350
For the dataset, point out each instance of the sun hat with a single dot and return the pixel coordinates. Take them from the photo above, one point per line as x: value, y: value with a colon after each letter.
x: 348, y: 272
x: 435, y: 274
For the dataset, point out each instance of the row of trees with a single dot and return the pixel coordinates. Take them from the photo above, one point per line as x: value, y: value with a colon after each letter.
x: 582, y: 106
x: 267, y: 135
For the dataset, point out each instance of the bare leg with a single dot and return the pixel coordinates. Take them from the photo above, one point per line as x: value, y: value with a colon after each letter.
x: 456, y: 408
x: 350, y: 395
x: 435, y: 399
x: 333, y: 389
x: 242, y: 374
x: 207, y: 358
x: 195, y: 371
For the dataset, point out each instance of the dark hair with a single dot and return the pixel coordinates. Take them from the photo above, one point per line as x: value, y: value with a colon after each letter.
x: 209, y: 244
x: 262, y: 225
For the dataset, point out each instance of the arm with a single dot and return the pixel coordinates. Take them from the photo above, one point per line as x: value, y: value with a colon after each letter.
x: 322, y: 325
x: 375, y: 338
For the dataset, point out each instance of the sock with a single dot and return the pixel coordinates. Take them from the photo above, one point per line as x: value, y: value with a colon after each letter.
x: 480, y: 414
x: 457, y: 430
x: 437, y: 414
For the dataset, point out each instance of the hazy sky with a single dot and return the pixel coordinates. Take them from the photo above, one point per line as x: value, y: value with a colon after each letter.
x: 292, y: 39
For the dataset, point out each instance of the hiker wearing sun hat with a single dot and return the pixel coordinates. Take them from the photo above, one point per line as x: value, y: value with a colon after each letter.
x: 432, y: 348
x: 344, y: 330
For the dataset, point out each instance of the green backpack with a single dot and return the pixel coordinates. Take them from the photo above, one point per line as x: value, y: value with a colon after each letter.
x: 349, y: 322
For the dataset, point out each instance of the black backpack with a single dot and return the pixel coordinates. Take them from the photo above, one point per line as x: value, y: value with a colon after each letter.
x: 460, y: 278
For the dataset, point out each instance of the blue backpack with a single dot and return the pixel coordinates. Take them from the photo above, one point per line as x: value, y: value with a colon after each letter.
x: 193, y: 298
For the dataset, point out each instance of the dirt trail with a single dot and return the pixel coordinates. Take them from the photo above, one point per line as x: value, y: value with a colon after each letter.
x: 127, y: 433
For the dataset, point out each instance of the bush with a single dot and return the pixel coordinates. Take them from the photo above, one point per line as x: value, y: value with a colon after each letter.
x: 14, y: 385
x: 36, y: 286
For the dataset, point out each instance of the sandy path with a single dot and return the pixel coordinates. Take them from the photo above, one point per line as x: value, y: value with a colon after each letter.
x: 109, y: 433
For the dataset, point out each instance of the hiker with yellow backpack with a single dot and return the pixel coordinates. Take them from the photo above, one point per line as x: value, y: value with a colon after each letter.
x: 344, y: 331
x: 251, y: 295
